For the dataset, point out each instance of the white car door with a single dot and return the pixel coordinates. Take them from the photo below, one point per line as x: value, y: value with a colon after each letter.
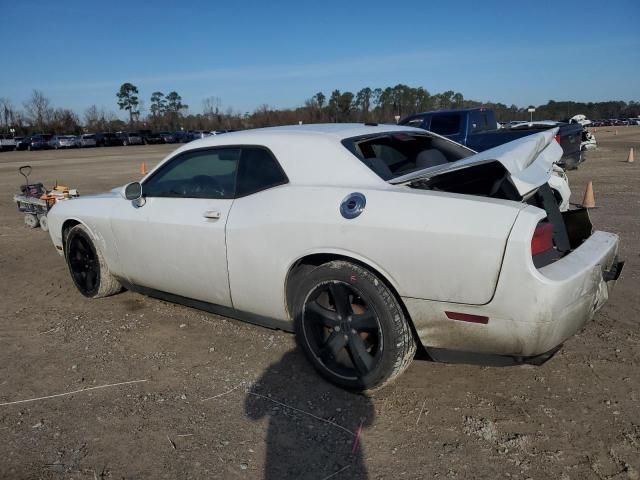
x: 175, y: 241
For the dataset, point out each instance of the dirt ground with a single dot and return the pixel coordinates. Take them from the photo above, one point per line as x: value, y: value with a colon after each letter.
x: 218, y: 398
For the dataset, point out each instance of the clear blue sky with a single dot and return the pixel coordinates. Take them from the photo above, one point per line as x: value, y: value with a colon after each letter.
x: 282, y: 52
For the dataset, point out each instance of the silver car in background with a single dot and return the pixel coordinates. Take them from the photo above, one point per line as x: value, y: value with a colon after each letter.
x: 129, y: 138
x: 62, y: 141
x: 86, y: 140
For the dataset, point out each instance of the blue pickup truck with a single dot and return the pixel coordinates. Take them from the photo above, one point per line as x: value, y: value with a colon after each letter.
x: 477, y: 129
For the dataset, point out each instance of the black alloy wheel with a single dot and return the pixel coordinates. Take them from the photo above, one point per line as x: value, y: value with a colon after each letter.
x: 342, y: 330
x: 84, y: 265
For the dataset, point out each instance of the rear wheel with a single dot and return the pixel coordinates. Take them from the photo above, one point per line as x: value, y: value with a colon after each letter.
x: 351, y: 326
x: 87, y: 265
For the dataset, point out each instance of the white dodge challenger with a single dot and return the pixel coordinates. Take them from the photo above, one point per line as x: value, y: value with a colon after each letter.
x: 365, y: 240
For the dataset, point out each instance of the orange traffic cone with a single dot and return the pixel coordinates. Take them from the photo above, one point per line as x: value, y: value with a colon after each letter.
x: 631, y: 158
x: 143, y: 169
x: 589, y: 201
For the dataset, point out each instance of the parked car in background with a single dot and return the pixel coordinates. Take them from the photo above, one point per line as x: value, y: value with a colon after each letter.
x: 168, y: 137
x: 107, y: 139
x: 62, y: 141
x: 143, y: 133
x: 153, y: 138
x: 197, y: 134
x: 7, y: 142
x: 182, y: 136
x: 21, y: 143
x: 86, y: 140
x: 130, y: 138
x: 476, y: 129
x: 39, y: 141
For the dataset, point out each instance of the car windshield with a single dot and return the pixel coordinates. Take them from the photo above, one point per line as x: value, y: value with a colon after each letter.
x: 393, y: 154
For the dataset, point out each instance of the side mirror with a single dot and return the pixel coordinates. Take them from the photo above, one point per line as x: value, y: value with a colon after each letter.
x: 132, y: 191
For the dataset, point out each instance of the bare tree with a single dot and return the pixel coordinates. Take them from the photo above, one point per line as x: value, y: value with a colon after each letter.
x: 211, y: 106
x: 64, y: 120
x: 92, y: 117
x: 7, y: 112
x: 211, y: 109
x: 38, y: 109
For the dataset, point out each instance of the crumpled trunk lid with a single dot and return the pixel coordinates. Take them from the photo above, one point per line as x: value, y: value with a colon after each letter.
x: 528, y: 162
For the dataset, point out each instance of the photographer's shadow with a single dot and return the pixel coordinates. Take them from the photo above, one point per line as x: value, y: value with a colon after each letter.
x: 301, y: 443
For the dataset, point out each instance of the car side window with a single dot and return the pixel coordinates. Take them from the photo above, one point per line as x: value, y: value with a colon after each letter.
x: 259, y: 170
x: 445, y: 124
x: 416, y: 122
x: 207, y: 173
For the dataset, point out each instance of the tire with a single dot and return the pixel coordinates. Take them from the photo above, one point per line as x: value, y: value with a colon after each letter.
x: 44, y: 223
x: 31, y: 221
x: 87, y: 265
x: 351, y: 326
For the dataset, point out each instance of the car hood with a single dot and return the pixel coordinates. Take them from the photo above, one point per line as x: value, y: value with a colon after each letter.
x: 529, y: 161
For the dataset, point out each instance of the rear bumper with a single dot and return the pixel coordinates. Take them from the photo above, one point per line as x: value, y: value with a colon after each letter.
x: 533, y: 311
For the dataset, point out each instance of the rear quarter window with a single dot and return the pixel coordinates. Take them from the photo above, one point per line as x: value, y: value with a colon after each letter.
x: 259, y: 170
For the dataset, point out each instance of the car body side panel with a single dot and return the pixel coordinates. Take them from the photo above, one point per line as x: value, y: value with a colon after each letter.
x: 532, y: 311
x: 94, y: 211
x: 430, y: 245
x: 168, y: 245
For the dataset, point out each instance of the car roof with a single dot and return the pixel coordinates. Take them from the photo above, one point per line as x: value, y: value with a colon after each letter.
x: 334, y: 131
x: 310, y: 154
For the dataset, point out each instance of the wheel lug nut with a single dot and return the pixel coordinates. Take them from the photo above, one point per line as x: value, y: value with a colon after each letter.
x: 353, y: 330
x: 346, y: 337
x: 337, y: 328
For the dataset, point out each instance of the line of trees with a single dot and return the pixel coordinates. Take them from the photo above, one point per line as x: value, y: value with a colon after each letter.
x: 383, y: 105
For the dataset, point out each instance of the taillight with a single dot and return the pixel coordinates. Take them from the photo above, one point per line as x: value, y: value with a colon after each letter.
x: 558, y: 138
x: 543, y: 250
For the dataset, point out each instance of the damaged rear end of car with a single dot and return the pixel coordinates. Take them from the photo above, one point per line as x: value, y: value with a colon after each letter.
x: 556, y: 270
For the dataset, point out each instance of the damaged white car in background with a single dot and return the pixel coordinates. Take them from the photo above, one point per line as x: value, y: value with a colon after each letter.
x: 588, y: 139
x: 365, y: 240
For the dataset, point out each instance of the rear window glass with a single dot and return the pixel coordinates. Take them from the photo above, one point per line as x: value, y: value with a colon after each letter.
x: 445, y: 124
x: 392, y: 155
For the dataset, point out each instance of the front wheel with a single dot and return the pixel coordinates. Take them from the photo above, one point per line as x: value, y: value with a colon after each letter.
x: 87, y: 265
x: 351, y: 326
